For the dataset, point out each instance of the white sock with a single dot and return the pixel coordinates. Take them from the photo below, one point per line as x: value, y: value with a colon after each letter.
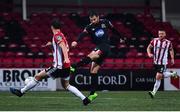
x: 167, y: 74
x: 76, y: 92
x: 29, y: 86
x: 156, y: 86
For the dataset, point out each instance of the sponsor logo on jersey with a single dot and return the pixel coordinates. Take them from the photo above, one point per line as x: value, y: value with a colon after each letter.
x: 99, y: 33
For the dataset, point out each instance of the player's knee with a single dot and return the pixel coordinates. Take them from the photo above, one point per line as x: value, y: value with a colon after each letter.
x: 90, y: 55
x: 93, y: 71
x: 159, y: 76
x: 65, y: 85
x: 93, y: 55
x: 38, y: 78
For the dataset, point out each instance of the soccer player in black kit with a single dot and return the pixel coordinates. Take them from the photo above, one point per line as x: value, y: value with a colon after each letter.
x: 98, y: 31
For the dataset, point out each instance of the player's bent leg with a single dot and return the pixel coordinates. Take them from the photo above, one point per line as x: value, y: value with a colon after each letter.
x: 94, y: 55
x: 30, y: 85
x: 174, y: 74
x: 170, y: 74
x: 16, y: 92
x: 82, y: 62
x: 92, y: 96
x: 74, y: 90
x: 151, y: 94
x: 156, y: 85
x: 22, y: 91
x: 38, y: 77
x: 94, y: 81
x: 91, y: 56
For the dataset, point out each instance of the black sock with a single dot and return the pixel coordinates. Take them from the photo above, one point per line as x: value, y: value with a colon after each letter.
x: 82, y: 62
x: 94, y: 83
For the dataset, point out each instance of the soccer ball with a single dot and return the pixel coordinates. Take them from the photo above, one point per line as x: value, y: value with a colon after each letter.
x: 28, y: 79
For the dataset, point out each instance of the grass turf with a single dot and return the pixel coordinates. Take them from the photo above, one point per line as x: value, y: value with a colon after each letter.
x: 106, y: 101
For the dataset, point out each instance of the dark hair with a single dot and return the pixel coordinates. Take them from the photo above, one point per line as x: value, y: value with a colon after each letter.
x: 56, y: 24
x: 92, y: 13
x: 161, y: 29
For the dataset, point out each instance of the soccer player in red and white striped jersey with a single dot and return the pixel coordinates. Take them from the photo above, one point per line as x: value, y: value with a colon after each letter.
x: 160, y: 47
x: 60, y: 68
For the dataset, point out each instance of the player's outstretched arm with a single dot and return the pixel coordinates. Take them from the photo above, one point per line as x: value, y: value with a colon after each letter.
x: 115, y: 31
x: 47, y: 44
x: 149, y: 50
x: 171, y: 51
x: 80, y: 37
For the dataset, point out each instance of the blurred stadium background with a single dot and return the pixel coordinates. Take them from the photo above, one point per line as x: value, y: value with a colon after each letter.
x: 24, y: 28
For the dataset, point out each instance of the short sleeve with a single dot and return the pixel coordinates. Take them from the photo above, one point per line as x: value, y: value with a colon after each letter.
x: 87, y: 29
x: 170, y: 46
x: 58, y: 39
x: 108, y: 23
x: 152, y: 42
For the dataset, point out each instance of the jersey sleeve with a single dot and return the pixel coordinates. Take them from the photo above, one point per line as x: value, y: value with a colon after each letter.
x: 170, y: 46
x: 87, y: 29
x: 108, y: 23
x: 152, y: 43
x: 58, y: 39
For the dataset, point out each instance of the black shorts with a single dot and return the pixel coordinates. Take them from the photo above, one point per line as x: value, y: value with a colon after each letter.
x: 104, y: 52
x: 160, y: 68
x: 56, y: 72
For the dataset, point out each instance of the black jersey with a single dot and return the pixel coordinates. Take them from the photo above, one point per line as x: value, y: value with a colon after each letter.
x: 99, y: 31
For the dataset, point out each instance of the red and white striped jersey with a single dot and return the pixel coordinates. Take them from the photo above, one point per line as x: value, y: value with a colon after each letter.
x: 58, y: 57
x: 160, y: 50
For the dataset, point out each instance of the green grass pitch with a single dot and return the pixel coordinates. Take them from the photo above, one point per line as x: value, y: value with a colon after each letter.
x: 106, y: 101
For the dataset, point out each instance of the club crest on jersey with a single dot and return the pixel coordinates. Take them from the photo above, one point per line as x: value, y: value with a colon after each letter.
x: 99, y: 33
x: 59, y: 38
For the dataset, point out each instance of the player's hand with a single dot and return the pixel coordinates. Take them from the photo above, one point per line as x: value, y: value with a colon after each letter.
x: 172, y: 61
x: 74, y: 44
x: 150, y: 55
x: 66, y: 60
x: 122, y: 41
x: 47, y: 44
